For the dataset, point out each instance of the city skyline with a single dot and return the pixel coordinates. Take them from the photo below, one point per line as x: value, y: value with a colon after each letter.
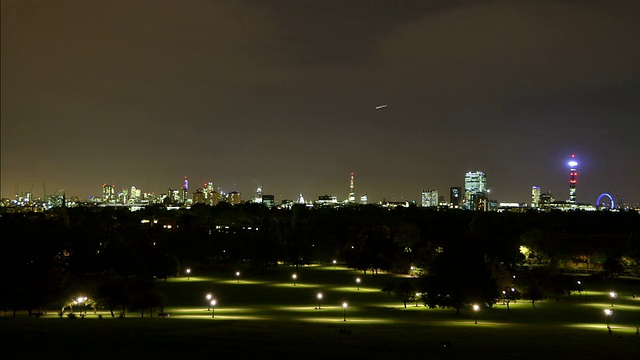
x: 475, y: 184
x: 296, y: 95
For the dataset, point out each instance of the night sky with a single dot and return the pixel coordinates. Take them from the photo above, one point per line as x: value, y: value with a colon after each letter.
x: 284, y: 94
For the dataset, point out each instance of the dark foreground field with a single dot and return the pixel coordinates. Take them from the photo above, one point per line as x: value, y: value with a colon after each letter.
x: 270, y: 317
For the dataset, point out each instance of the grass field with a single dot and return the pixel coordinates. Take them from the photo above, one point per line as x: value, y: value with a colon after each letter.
x: 266, y: 315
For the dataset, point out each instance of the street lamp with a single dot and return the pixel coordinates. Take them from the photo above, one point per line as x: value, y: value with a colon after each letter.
x: 334, y: 264
x: 208, y: 299
x: 188, y: 271
x: 607, y: 313
x: 294, y: 279
x: 613, y: 296
x: 238, y: 275
x: 475, y: 313
x: 358, y: 282
x: 319, y: 299
x: 417, y: 297
x: 79, y: 300
x: 213, y: 308
x: 344, y: 305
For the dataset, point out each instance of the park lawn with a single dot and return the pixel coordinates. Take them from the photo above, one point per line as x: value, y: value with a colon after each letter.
x: 266, y: 315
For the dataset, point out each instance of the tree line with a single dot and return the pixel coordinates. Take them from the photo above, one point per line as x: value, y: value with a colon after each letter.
x: 458, y: 257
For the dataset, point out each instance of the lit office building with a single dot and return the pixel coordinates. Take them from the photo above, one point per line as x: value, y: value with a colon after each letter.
x: 108, y: 193
x: 475, y: 190
x: 429, y: 198
x: 200, y: 197
x: 135, y: 195
x: 535, y: 197
x: 269, y: 200
x: 234, y: 198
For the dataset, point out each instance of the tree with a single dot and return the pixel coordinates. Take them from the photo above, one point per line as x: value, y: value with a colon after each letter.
x: 405, y: 292
x: 460, y: 276
x: 613, y: 267
x: 533, y: 283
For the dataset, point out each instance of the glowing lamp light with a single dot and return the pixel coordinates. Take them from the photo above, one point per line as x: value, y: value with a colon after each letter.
x: 573, y: 163
x: 608, y: 313
x: 344, y: 306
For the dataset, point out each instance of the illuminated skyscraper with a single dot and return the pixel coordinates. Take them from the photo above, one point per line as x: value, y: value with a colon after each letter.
x: 184, y: 195
x: 573, y: 179
x: 352, y: 194
x: 475, y: 190
x: 108, y: 193
x: 136, y: 194
x: 258, y: 197
x: 535, y: 197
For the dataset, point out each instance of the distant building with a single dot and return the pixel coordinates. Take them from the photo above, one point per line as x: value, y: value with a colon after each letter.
x: 200, y: 197
x: 269, y: 200
x: 430, y: 198
x: 535, y: 197
x: 108, y: 193
x: 546, y: 200
x: 258, y: 197
x: 352, y: 195
x: 573, y: 179
x: 135, y: 195
x: 324, y: 200
x: 174, y: 196
x: 234, y: 198
x: 455, y: 197
x: 215, y: 198
x: 475, y: 190
x: 184, y: 193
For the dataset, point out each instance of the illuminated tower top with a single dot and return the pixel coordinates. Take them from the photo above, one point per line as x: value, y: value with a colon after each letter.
x: 185, y: 186
x: 573, y: 179
x: 352, y: 194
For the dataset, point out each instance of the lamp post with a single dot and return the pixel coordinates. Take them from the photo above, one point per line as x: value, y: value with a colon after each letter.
x: 208, y: 301
x: 319, y: 299
x: 475, y: 313
x: 417, y: 297
x: 613, y: 296
x: 213, y: 308
x: 238, y: 275
x: 334, y: 264
x: 344, y: 305
x: 358, y: 282
x: 580, y: 288
x: 79, y: 300
x: 294, y: 276
x: 188, y: 271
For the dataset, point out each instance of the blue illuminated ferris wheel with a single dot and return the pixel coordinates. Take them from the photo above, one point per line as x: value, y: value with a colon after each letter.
x: 606, y: 195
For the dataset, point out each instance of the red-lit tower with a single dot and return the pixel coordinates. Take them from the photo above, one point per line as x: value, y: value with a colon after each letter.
x: 573, y: 179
